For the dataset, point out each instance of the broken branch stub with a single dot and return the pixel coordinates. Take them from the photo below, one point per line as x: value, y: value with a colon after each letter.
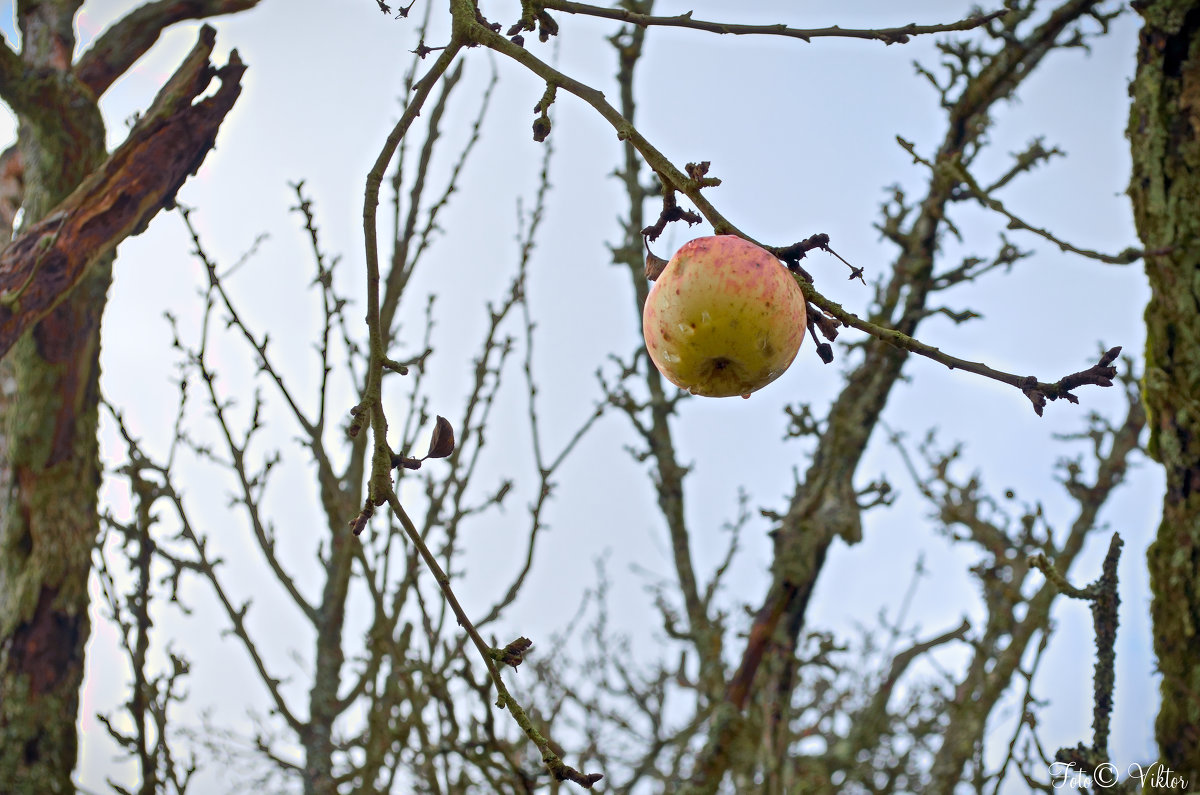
x: 119, y: 198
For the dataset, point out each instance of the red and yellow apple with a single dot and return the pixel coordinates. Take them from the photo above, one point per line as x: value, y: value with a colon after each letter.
x: 724, y: 318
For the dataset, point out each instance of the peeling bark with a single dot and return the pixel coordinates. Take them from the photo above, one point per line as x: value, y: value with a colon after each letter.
x: 118, y: 200
x: 78, y: 205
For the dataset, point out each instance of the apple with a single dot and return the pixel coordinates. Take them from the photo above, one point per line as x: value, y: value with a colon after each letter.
x: 724, y: 318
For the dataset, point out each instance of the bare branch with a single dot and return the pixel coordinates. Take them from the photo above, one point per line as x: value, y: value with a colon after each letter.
x: 1105, y: 599
x: 131, y: 37
x: 691, y: 185
x: 216, y: 285
x: 1038, y: 392
x: 403, y: 260
x: 899, y: 35
x: 985, y: 198
x: 560, y: 770
x: 119, y: 198
x: 207, y: 567
x: 370, y: 408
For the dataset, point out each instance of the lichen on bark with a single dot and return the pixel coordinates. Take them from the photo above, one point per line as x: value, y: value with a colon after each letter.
x: 48, y: 516
x: 49, y: 381
x: 1164, y: 133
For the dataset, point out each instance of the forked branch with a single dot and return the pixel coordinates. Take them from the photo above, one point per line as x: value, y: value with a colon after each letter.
x: 690, y: 184
x: 132, y: 36
x: 118, y: 200
x: 898, y: 35
x: 1039, y: 392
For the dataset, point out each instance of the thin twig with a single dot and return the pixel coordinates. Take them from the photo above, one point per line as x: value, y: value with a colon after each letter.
x: 985, y: 198
x: 1038, y: 392
x: 898, y: 35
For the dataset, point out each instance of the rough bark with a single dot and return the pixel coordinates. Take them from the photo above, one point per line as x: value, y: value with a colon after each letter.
x: 78, y: 205
x: 118, y: 199
x: 1164, y: 133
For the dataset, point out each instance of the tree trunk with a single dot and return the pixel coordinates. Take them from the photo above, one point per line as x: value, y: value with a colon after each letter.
x: 48, y: 518
x: 53, y: 285
x: 1164, y: 133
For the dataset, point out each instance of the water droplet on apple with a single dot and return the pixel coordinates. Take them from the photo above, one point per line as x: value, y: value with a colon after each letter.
x: 746, y: 397
x: 705, y: 318
x: 686, y: 329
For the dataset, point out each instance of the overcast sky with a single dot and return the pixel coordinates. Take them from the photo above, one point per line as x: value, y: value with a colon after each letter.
x: 803, y: 138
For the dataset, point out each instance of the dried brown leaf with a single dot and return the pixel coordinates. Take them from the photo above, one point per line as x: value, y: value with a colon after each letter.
x: 655, y: 265
x: 442, y: 442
